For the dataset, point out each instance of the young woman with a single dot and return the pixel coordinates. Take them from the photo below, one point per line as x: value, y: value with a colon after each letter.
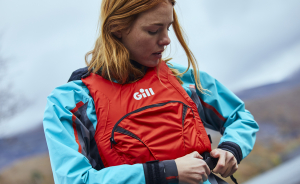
x: 130, y: 117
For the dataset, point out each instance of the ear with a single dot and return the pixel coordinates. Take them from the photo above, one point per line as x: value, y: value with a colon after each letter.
x: 117, y: 34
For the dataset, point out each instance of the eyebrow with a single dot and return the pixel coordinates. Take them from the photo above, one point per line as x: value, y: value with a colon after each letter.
x: 160, y: 24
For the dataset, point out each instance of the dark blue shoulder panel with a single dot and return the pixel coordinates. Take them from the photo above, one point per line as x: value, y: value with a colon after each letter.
x: 78, y: 74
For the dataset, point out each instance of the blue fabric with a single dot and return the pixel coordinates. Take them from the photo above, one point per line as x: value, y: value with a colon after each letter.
x: 240, y: 126
x: 70, y: 166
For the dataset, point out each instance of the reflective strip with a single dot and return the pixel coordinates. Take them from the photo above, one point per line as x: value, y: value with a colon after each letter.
x: 171, y: 177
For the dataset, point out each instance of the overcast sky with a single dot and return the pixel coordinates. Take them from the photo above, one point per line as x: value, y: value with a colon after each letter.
x: 241, y: 43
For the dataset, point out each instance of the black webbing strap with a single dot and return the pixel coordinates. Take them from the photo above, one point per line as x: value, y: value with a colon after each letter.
x: 153, y: 172
x: 212, y: 162
x: 233, y: 179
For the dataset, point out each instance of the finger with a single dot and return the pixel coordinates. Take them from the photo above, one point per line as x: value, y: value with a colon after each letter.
x: 207, y: 170
x: 220, y: 167
x: 204, y: 177
x: 234, y: 169
x: 195, y: 154
x: 201, y: 182
x: 195, y: 178
x: 227, y: 172
x: 198, y: 179
x: 215, y: 153
x: 232, y: 163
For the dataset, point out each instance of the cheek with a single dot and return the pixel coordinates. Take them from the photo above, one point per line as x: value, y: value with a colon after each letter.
x: 146, y: 44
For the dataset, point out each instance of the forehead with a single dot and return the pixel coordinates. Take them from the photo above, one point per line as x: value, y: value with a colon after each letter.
x: 162, y: 13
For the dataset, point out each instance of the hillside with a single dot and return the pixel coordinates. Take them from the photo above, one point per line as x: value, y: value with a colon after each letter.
x: 33, y: 170
x: 267, y: 90
x: 278, y: 115
x: 21, y: 146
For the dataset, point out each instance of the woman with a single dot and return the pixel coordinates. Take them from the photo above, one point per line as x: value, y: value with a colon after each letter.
x: 129, y: 107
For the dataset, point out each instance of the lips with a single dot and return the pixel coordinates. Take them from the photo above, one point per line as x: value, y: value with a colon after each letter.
x: 158, y: 55
x: 159, y: 52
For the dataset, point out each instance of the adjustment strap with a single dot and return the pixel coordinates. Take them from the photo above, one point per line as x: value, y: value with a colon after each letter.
x: 152, y: 172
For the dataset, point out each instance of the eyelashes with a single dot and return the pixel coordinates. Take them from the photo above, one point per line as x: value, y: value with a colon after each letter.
x: 152, y: 32
x: 155, y: 32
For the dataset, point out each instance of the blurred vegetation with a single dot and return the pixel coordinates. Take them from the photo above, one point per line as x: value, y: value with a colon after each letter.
x: 10, y: 103
x: 263, y: 158
x: 279, y: 137
x: 35, y: 170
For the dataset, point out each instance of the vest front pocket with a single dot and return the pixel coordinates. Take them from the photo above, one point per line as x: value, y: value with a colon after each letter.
x: 154, y: 132
x: 131, y: 149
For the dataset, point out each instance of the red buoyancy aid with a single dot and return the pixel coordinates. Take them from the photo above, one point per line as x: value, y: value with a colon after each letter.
x: 150, y: 119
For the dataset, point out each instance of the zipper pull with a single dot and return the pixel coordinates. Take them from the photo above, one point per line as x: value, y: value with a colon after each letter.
x: 112, y: 141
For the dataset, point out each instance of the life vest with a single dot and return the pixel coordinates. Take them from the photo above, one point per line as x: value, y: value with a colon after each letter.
x: 151, y: 119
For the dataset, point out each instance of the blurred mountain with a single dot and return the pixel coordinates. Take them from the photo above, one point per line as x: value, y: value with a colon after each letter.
x: 24, y: 145
x: 270, y: 89
x: 276, y: 107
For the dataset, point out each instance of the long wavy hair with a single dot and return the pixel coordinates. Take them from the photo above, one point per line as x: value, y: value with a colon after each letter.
x: 111, y: 59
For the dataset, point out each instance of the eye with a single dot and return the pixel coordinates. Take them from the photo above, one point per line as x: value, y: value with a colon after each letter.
x: 152, y: 32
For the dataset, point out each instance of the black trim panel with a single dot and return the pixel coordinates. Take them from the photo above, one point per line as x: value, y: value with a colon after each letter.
x: 233, y: 148
x: 78, y: 74
x: 86, y: 133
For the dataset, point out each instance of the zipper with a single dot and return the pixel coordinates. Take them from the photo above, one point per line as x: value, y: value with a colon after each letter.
x: 126, y: 132
x: 184, y: 110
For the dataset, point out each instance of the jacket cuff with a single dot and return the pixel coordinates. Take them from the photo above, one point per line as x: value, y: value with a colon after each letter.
x: 232, y: 148
x: 160, y: 172
x: 171, y: 172
x: 154, y: 172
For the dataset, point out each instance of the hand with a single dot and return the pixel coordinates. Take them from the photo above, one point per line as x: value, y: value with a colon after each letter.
x: 227, y: 164
x: 192, y: 169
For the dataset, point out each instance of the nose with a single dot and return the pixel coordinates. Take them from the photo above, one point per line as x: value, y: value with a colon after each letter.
x: 165, y: 40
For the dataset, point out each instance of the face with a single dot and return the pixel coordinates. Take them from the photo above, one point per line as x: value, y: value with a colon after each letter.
x: 148, y: 36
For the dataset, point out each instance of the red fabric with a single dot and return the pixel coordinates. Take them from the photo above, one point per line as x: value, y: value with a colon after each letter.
x: 171, y: 177
x: 160, y: 129
x: 78, y: 105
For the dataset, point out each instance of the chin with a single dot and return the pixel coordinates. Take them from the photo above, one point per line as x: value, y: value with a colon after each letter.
x: 152, y: 63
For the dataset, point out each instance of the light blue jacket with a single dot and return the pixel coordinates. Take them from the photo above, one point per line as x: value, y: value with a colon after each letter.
x: 221, y: 111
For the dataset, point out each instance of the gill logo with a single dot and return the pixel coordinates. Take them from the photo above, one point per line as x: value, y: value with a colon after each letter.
x: 144, y: 93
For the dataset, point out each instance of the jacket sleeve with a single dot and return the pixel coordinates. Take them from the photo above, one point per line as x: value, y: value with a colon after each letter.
x: 223, y: 111
x: 69, y: 124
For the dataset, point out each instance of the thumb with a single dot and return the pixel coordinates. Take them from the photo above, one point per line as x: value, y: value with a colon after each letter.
x: 215, y: 153
x: 195, y: 154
